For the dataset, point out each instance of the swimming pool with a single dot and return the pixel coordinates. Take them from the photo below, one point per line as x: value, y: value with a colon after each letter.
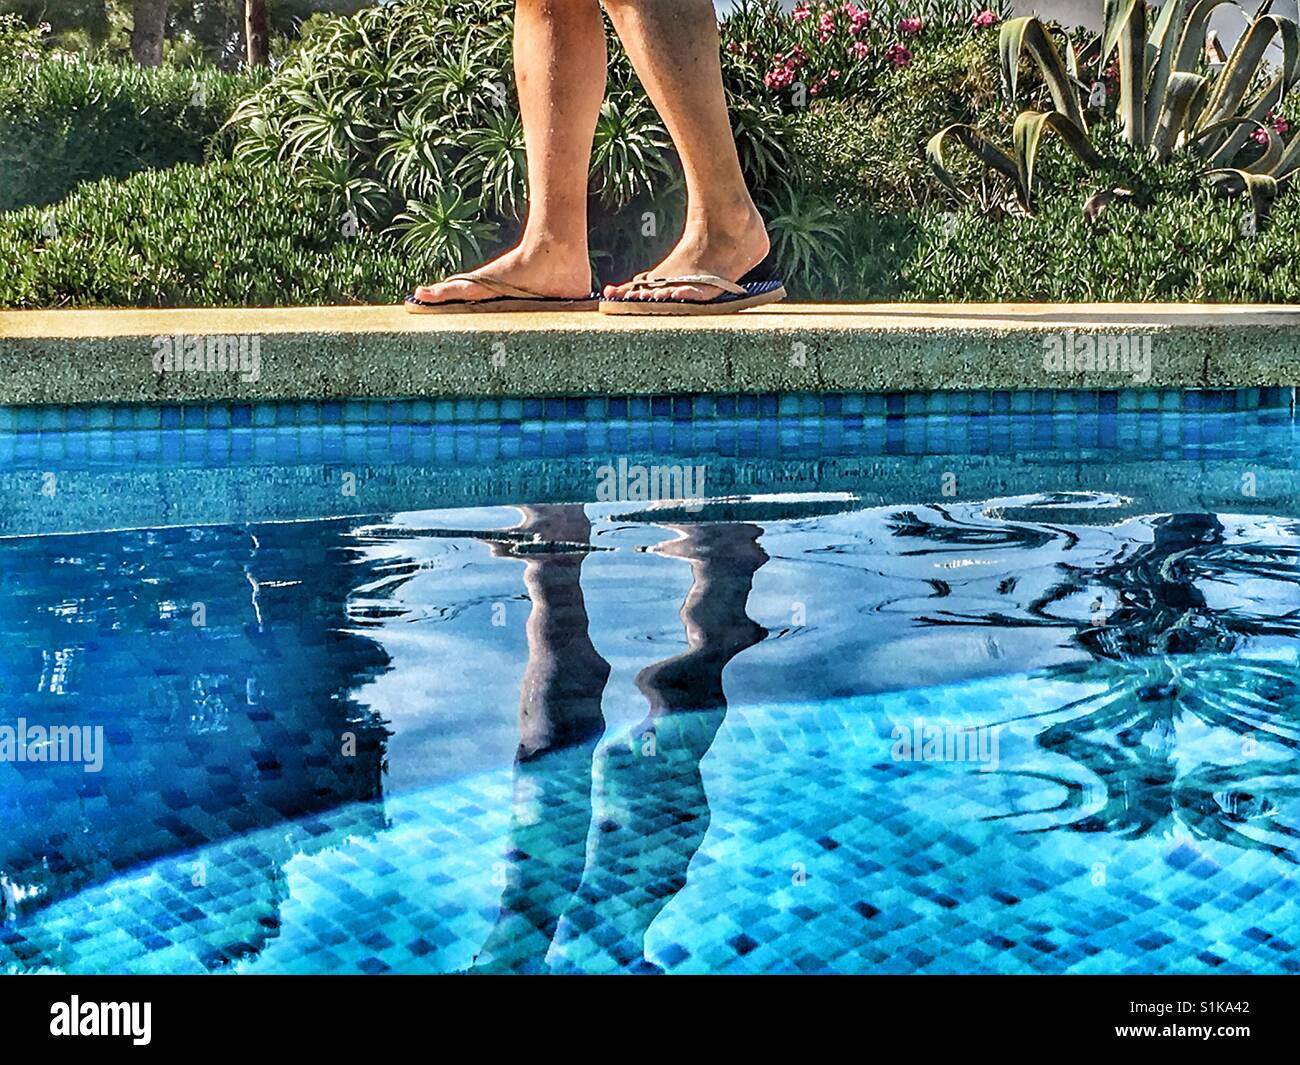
x: 909, y: 683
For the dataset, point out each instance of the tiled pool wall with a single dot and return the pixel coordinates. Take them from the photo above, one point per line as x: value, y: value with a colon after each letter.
x: 1162, y: 421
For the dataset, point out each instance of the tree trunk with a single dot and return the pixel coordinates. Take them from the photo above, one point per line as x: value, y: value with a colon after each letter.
x: 148, y: 27
x: 257, y: 32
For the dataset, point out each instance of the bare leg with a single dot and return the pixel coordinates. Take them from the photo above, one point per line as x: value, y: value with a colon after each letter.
x: 559, y: 702
x: 560, y: 721
x: 559, y: 50
x: 673, y: 44
x: 653, y: 808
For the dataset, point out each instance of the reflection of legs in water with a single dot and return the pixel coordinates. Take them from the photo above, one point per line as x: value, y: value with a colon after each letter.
x: 565, y: 678
x: 559, y: 722
x: 654, y: 812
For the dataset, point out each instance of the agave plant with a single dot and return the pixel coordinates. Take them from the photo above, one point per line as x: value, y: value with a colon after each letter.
x: 1170, y: 98
x: 1067, y: 121
x: 629, y: 150
x: 807, y: 234
x: 447, y: 226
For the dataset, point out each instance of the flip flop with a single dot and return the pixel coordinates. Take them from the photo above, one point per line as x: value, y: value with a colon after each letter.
x: 754, y: 289
x: 509, y: 298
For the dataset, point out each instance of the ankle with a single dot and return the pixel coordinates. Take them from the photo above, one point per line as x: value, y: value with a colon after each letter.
x: 552, y: 253
x: 740, y: 229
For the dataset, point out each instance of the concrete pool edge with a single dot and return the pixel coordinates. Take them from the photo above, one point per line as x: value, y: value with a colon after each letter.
x: 113, y: 356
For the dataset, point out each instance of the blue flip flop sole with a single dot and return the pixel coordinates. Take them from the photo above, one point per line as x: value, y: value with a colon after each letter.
x: 757, y: 294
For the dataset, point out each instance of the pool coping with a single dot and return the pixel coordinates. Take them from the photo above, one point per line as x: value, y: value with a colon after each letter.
x: 76, y: 357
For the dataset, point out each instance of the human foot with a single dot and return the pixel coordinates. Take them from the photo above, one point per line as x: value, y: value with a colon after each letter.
x: 728, y: 250
x: 551, y: 274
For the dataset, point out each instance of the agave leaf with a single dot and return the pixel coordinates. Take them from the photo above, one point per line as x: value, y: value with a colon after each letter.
x: 1027, y: 33
x: 1183, y: 94
x: 1027, y: 135
x: 1119, y: 14
x: 977, y: 144
x: 1289, y: 160
x: 1272, y: 154
x: 1244, y: 65
x: 1262, y: 189
x: 1164, y: 37
x: 1226, y: 151
x: 1191, y: 44
x: 1218, y: 159
x: 1132, y: 74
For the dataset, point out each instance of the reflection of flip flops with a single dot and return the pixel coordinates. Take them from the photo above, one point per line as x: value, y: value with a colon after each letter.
x: 756, y: 288
x: 509, y: 298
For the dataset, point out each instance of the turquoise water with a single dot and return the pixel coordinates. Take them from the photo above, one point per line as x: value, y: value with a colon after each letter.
x: 620, y: 736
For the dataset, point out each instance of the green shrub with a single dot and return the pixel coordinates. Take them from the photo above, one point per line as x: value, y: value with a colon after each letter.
x: 19, y: 43
x: 65, y: 120
x: 871, y: 151
x: 222, y: 234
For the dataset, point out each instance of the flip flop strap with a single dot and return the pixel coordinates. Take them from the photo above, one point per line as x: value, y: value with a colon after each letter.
x: 501, y: 288
x: 712, y: 280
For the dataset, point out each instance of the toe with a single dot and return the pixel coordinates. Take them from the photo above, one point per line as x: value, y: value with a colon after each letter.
x: 447, y: 290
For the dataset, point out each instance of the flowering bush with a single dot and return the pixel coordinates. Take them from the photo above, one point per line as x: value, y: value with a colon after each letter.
x: 835, y: 50
x: 18, y: 42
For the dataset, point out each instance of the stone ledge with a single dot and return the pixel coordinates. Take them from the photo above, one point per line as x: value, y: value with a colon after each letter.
x: 107, y: 356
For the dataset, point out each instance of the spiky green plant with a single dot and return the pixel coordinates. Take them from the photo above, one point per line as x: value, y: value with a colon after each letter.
x: 1170, y: 99
x: 447, y: 226
x: 807, y: 234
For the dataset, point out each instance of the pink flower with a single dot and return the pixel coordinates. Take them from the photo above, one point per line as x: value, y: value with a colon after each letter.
x: 909, y: 26
x: 801, y: 13
x: 1260, y: 136
x: 984, y: 18
x: 779, y: 77
x: 859, y: 19
x: 798, y: 57
x: 898, y: 55
x: 860, y: 50
x: 826, y: 27
x: 1280, y: 124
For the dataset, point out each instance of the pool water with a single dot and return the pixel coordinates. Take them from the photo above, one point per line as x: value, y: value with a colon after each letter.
x: 1036, y: 714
